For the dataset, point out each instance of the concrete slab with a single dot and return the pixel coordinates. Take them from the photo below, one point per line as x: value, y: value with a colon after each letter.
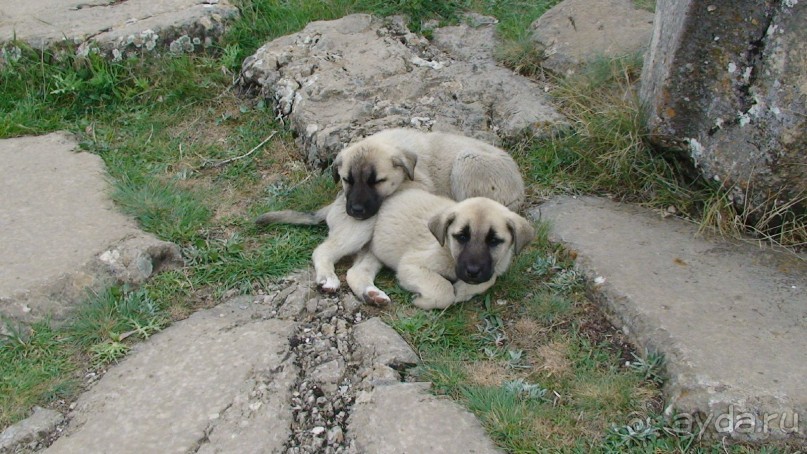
x: 730, y: 318
x: 117, y: 27
x: 55, y: 218
x: 406, y: 418
x: 219, y: 381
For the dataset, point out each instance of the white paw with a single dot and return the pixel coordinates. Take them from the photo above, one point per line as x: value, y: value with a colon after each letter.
x: 329, y: 284
x: 373, y: 295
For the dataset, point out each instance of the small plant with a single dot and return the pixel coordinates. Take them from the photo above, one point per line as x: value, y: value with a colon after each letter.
x: 524, y: 390
x: 565, y: 281
x: 516, y: 359
x: 108, y: 351
x: 545, y: 265
x: 639, y: 432
x: 650, y: 367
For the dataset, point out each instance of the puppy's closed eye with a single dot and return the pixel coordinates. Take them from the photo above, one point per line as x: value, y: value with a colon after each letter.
x: 463, y: 236
x: 492, y: 239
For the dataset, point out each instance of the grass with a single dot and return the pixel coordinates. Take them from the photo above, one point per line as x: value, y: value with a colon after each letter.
x: 533, y: 358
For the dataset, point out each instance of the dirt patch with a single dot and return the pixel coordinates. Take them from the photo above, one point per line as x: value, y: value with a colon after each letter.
x: 487, y: 373
x: 595, y: 327
x: 554, y: 356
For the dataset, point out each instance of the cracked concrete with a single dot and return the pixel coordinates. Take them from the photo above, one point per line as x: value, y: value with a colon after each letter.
x: 238, y: 378
x: 199, y: 386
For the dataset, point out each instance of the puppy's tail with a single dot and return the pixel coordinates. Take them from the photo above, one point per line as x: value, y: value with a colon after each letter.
x: 293, y: 217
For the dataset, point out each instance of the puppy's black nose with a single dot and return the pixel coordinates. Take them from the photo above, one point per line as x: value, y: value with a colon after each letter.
x: 473, y: 270
x: 357, y: 209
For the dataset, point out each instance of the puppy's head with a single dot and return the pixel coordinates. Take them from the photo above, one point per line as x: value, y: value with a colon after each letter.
x: 482, y: 236
x: 370, y: 171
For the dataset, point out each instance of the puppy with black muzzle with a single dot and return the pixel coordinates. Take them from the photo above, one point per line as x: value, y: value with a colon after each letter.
x: 378, y: 166
x: 444, y: 251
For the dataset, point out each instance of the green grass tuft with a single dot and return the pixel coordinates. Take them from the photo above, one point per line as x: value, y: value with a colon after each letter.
x: 163, y: 208
x: 37, y: 365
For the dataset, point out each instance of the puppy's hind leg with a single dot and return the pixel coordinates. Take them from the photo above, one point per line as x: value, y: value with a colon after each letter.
x: 360, y: 278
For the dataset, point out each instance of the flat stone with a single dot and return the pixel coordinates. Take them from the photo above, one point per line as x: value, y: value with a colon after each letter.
x: 729, y: 317
x: 575, y: 32
x: 337, y: 81
x: 118, y: 28
x: 329, y: 373
x: 406, y: 418
x: 219, y: 381
x: 378, y: 343
x: 60, y: 233
x: 33, y: 428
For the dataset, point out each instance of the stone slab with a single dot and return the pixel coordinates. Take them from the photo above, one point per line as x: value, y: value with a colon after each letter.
x: 219, y: 381
x: 337, y: 81
x: 730, y: 318
x: 117, y: 27
x: 404, y: 418
x: 56, y: 220
x: 379, y: 343
x: 32, y: 429
x: 575, y: 32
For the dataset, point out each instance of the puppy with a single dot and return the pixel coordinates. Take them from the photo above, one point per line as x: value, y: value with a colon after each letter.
x: 380, y: 165
x: 444, y: 251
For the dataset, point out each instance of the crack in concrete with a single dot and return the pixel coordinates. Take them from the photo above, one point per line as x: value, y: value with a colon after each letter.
x: 325, y: 389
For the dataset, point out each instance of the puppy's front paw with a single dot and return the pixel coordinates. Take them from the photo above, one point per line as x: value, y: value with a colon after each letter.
x: 329, y: 284
x: 373, y: 295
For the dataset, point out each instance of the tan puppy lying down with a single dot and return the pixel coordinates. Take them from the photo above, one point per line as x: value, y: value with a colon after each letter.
x: 394, y: 160
x: 444, y: 251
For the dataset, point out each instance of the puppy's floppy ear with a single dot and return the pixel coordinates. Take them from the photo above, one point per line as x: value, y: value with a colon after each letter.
x: 439, y: 224
x: 522, y: 231
x: 406, y: 159
x: 335, y: 168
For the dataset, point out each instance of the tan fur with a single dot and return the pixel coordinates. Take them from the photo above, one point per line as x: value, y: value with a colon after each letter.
x: 446, y: 164
x: 416, y: 235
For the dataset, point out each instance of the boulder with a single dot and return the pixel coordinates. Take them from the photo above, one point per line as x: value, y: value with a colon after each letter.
x: 337, y: 81
x: 726, y: 87
x: 575, y: 32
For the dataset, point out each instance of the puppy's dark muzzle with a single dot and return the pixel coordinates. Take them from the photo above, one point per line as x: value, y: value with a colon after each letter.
x: 362, y: 202
x: 360, y: 212
x: 474, y: 266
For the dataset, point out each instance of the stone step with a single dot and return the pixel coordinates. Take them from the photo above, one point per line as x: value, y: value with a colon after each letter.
x: 730, y: 318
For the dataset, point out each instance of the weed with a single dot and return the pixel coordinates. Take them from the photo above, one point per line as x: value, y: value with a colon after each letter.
x: 639, y: 433
x: 108, y: 351
x: 524, y: 390
x: 650, y: 367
